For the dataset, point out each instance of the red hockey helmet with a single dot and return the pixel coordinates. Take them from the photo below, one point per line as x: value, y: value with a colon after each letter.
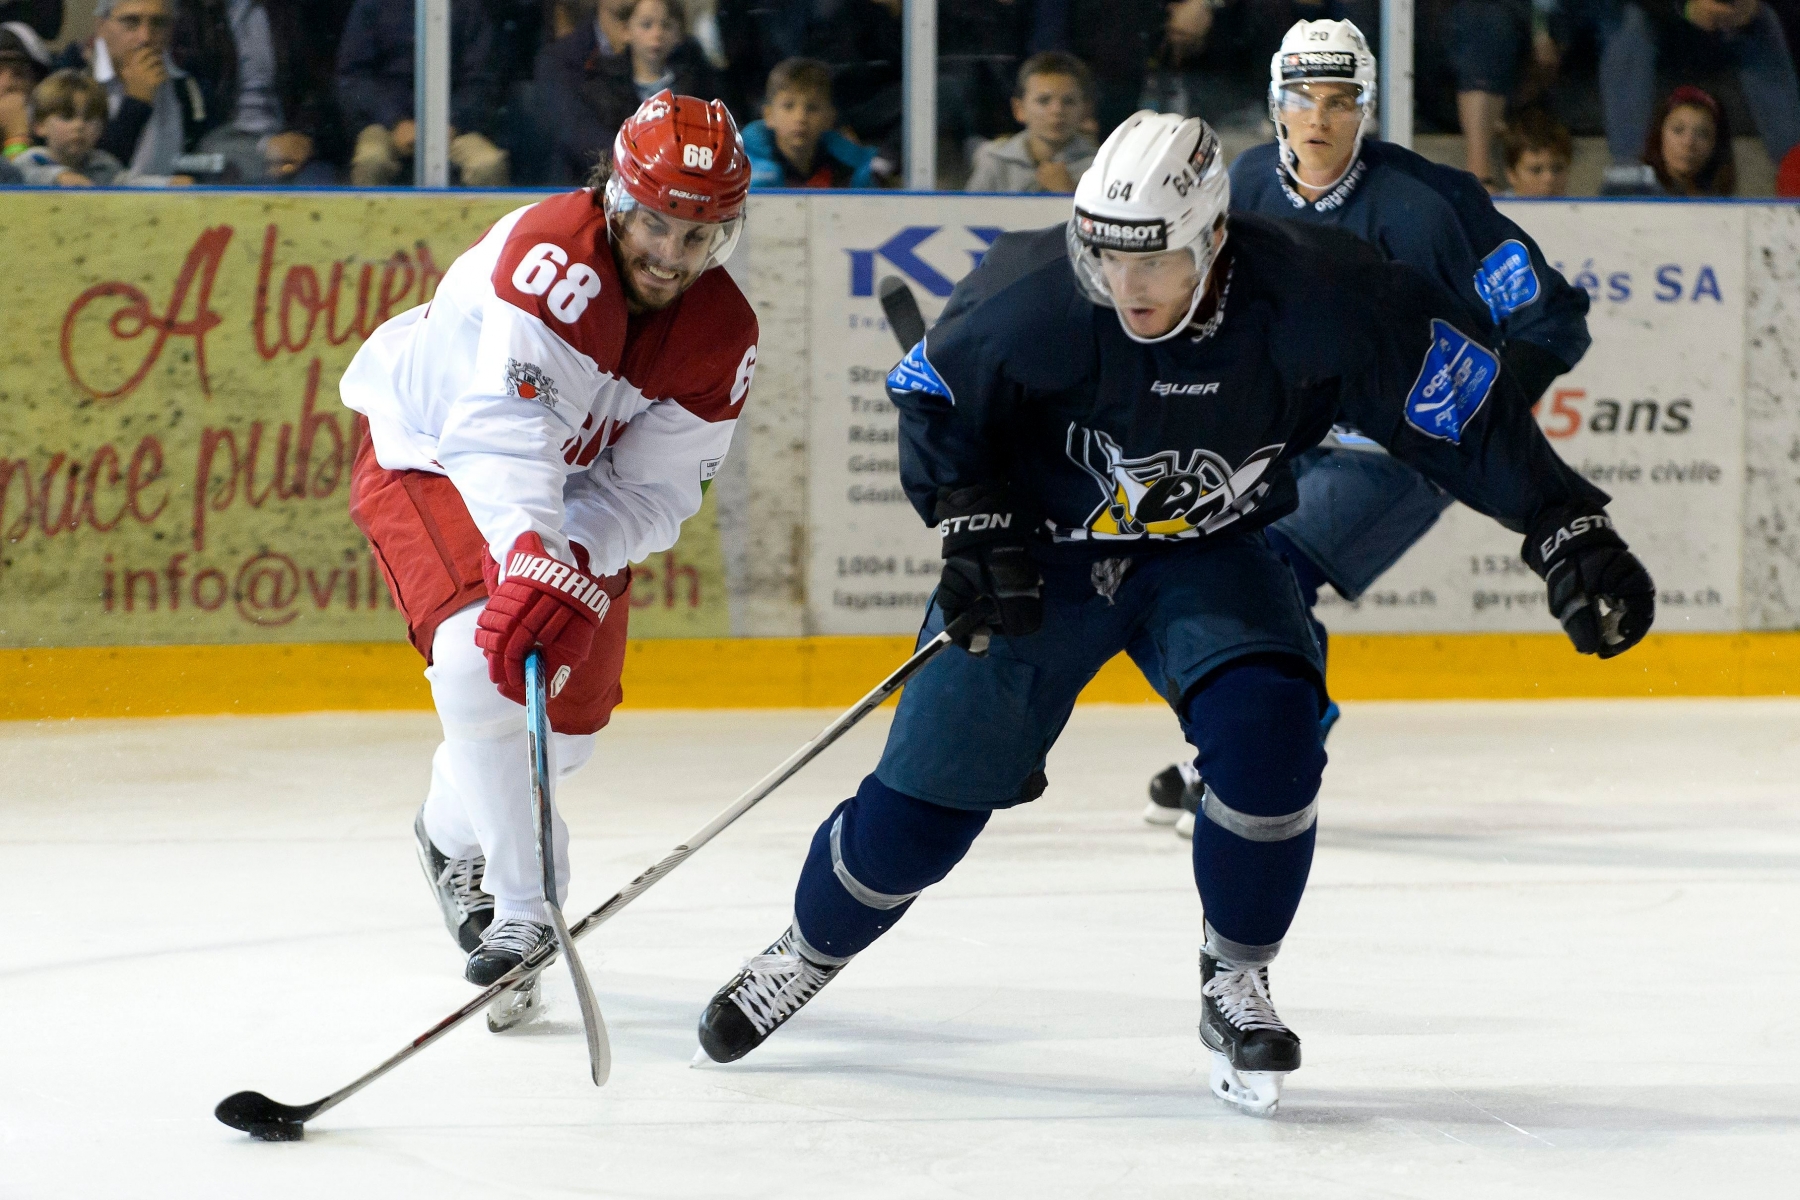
x: 683, y: 157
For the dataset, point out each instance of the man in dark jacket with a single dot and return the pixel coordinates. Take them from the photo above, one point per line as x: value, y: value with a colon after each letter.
x: 156, y: 109
x: 265, y: 68
x: 375, y: 89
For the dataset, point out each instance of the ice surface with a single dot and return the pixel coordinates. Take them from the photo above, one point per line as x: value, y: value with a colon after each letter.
x: 1549, y: 950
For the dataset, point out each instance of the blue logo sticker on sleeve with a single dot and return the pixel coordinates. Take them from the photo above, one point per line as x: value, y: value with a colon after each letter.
x: 914, y: 373
x: 1505, y: 280
x: 1453, y: 383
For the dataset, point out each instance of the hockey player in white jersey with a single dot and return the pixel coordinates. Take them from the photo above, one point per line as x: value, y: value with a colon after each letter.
x: 553, y: 415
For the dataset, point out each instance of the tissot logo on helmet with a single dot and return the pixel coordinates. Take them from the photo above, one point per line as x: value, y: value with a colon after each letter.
x: 1306, y: 63
x: 1103, y: 234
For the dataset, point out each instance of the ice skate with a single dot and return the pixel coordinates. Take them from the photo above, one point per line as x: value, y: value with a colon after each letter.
x: 1166, y: 787
x: 456, y: 882
x: 1252, y: 1050
x: 515, y: 1006
x: 760, y: 998
x: 504, y: 946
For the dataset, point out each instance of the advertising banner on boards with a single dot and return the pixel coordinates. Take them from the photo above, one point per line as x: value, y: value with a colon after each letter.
x: 1653, y: 414
x: 174, y: 456
x: 871, y: 560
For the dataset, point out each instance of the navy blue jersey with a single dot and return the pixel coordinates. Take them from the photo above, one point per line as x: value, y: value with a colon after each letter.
x: 1121, y: 445
x: 1441, y: 221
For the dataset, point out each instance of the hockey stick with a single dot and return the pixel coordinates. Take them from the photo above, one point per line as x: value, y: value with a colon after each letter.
x: 270, y: 1121
x: 537, y: 740
x: 902, y: 309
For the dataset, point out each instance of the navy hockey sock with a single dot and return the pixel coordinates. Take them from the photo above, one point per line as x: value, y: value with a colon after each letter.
x: 870, y: 859
x: 1256, y: 727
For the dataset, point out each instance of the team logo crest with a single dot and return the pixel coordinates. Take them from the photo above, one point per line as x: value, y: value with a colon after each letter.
x: 1163, y: 494
x: 528, y: 381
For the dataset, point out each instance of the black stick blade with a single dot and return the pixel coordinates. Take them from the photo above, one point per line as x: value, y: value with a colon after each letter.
x: 264, y: 1119
x: 902, y: 310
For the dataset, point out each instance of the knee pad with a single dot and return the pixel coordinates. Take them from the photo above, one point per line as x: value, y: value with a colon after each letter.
x: 467, y: 702
x: 885, y: 847
x: 1255, y: 725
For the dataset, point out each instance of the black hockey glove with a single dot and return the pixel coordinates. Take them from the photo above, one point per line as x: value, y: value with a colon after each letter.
x: 986, y: 561
x: 1598, y: 589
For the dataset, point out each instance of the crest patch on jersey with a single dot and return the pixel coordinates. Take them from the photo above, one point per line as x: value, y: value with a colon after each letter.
x: 1505, y: 280
x: 914, y: 373
x: 528, y: 381
x: 1165, y: 495
x: 1453, y: 383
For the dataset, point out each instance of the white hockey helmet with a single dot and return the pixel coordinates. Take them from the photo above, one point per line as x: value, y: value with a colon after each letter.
x: 1158, y: 183
x: 1322, y: 52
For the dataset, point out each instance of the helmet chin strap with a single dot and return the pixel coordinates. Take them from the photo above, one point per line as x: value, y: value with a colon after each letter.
x: 1291, y: 157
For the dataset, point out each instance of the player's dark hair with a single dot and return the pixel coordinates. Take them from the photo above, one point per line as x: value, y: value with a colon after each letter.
x: 808, y: 76
x: 1535, y: 129
x: 1054, y: 62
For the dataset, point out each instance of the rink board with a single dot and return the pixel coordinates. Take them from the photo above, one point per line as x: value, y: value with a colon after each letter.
x: 698, y: 673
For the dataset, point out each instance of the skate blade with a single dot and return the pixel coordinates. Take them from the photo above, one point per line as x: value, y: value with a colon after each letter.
x: 1184, y: 825
x: 1156, y: 814
x: 1254, y: 1092
x: 514, y: 1006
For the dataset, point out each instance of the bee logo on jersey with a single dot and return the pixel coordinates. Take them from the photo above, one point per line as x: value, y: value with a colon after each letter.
x: 1505, y: 281
x: 1453, y: 383
x: 914, y: 373
x: 1162, y: 496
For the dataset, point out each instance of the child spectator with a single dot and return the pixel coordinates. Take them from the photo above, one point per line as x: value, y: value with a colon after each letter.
x: 23, y: 64
x: 68, y: 115
x: 591, y: 92
x: 1689, y: 145
x: 1050, y: 153
x: 1537, y: 150
x: 794, y: 144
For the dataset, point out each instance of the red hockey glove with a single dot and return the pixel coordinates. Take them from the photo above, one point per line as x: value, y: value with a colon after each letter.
x: 542, y: 602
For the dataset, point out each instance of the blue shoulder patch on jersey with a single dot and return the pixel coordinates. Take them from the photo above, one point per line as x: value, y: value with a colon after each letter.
x: 1505, y: 280
x: 1453, y: 383
x: 914, y: 373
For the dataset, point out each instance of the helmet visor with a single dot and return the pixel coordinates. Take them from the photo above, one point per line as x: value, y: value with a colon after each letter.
x: 675, y: 243
x: 1335, y: 99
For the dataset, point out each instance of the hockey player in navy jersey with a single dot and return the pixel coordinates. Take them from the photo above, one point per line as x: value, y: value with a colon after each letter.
x: 1101, y: 444
x: 1361, y: 509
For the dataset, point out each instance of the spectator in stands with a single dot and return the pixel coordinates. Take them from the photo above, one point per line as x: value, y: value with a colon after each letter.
x: 1207, y: 67
x: 1538, y: 150
x: 794, y: 145
x: 157, y: 109
x: 1689, y: 145
x: 68, y: 115
x: 1115, y: 39
x: 44, y: 17
x: 375, y: 88
x: 1485, y: 42
x: 591, y: 93
x: 1050, y: 99
x: 265, y: 68
x: 23, y: 64
x: 1745, y: 34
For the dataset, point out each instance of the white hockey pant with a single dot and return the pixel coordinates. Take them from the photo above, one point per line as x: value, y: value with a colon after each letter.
x: 480, y: 799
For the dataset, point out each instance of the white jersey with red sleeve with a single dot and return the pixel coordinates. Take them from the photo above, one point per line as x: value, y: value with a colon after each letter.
x: 550, y: 407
